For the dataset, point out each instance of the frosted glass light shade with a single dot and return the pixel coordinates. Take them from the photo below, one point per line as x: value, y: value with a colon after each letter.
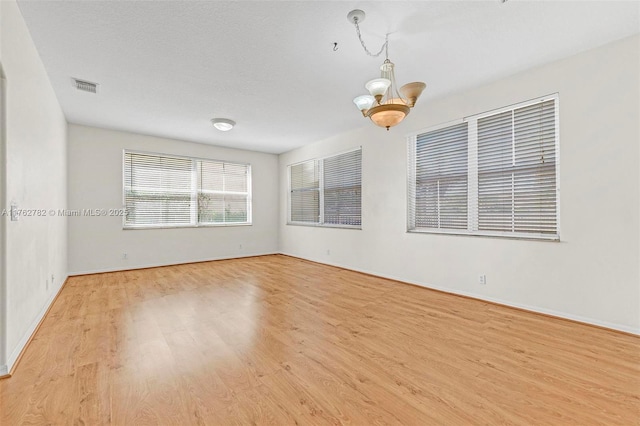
x: 412, y: 91
x: 364, y: 102
x: 378, y: 86
x: 223, y: 124
x: 388, y: 115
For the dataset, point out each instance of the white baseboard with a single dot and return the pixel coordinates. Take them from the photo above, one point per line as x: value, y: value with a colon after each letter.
x: 17, y: 350
x: 157, y: 265
x: 4, y: 370
x: 578, y: 318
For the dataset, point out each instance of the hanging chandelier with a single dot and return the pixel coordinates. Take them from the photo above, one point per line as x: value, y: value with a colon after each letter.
x: 385, y: 105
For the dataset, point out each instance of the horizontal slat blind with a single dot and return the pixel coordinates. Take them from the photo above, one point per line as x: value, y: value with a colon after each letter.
x: 223, y: 195
x: 305, y: 192
x: 441, y: 178
x: 342, y: 188
x: 517, y: 170
x: 495, y: 178
x: 158, y: 190
x: 495, y: 174
x: 535, y: 186
x: 161, y: 190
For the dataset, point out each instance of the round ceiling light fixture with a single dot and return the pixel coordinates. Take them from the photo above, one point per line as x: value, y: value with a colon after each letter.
x: 223, y: 124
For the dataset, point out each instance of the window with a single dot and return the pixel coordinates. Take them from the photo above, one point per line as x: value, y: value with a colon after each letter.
x: 441, y: 178
x: 304, y: 182
x: 342, y: 179
x: 327, y: 191
x: 167, y: 191
x: 223, y: 192
x: 492, y: 174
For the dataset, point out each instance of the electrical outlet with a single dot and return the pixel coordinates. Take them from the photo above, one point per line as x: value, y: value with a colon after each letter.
x: 482, y: 279
x: 125, y: 256
x: 240, y: 246
x: 52, y: 279
x: 328, y: 252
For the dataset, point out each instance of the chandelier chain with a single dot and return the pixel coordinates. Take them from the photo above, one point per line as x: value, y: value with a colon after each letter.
x: 384, y: 48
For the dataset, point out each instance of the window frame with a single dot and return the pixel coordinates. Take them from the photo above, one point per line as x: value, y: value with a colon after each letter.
x: 320, y: 162
x: 472, y: 172
x: 194, y: 193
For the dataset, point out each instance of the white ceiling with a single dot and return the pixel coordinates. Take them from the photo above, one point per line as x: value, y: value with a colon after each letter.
x: 166, y: 68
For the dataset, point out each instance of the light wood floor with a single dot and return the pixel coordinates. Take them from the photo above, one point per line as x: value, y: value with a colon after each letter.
x: 277, y: 340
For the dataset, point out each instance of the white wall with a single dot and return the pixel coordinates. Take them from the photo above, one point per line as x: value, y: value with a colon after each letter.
x: 35, y: 170
x: 3, y: 184
x: 95, y: 181
x: 592, y: 275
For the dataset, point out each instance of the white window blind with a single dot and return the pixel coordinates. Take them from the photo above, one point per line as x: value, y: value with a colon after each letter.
x: 305, y: 192
x: 342, y: 186
x: 223, y: 192
x: 158, y: 190
x: 327, y: 191
x: 441, y: 178
x: 492, y: 174
x: 517, y: 170
x: 168, y: 191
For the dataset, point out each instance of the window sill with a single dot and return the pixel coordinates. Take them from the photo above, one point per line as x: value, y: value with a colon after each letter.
x: 202, y: 225
x: 501, y: 235
x: 322, y: 225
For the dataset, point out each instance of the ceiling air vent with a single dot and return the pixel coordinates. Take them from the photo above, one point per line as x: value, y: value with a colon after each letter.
x: 85, y: 86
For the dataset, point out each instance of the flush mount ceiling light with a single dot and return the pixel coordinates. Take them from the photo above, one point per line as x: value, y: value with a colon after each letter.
x: 384, y: 105
x: 223, y: 124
